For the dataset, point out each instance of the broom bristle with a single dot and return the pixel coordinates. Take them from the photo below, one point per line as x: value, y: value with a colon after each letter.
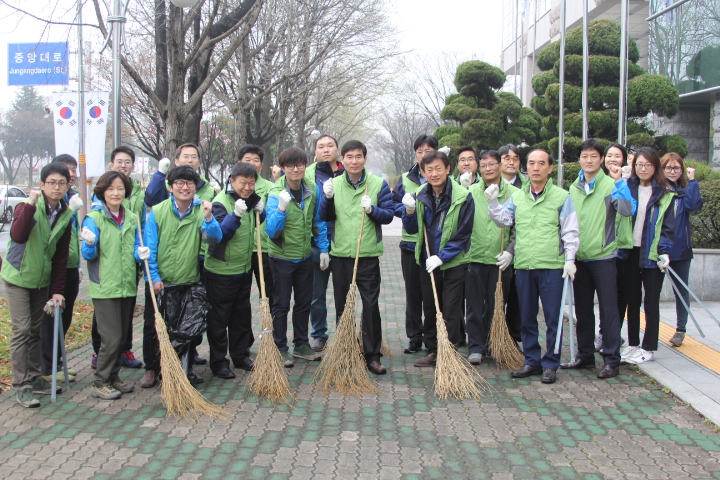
x: 181, y: 399
x: 454, y: 376
x: 385, y: 349
x: 343, y: 366
x: 503, y: 347
x: 268, y: 378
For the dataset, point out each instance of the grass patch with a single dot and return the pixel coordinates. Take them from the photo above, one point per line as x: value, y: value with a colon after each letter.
x: 77, y: 335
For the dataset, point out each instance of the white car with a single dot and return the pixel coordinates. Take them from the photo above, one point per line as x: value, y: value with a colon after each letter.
x: 10, y: 196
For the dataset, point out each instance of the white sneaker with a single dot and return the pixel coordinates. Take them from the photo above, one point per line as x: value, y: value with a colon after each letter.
x: 628, y: 352
x: 641, y: 356
x: 598, y: 342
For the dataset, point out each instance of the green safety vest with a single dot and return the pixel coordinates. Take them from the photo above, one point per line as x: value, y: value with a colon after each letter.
x: 293, y: 242
x: 348, y: 215
x: 262, y: 188
x: 136, y: 202
x: 486, y: 241
x: 234, y: 256
x: 74, y: 253
x: 665, y: 202
x: 597, y: 231
x: 410, y: 187
x: 178, y: 243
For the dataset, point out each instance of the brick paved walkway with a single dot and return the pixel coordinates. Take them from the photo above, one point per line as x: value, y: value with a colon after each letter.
x: 580, y: 427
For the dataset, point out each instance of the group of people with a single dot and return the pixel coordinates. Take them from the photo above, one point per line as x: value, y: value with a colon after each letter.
x: 620, y: 224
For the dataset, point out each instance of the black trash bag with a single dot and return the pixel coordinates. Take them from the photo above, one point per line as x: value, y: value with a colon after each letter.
x: 184, y: 306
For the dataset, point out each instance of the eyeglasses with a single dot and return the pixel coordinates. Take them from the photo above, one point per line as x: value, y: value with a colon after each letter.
x: 55, y: 183
x: 485, y: 166
x: 511, y: 158
x: 122, y: 162
x: 189, y: 157
x: 183, y: 183
x: 297, y: 166
x: 673, y: 169
x: 644, y: 166
x: 244, y: 185
x: 467, y: 159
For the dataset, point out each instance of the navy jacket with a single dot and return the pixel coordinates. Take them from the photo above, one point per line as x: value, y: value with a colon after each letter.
x: 323, y: 173
x: 688, y: 200
x: 398, y: 194
x: 667, y: 232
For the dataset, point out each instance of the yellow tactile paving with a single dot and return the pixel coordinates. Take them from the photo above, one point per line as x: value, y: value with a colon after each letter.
x: 691, y: 348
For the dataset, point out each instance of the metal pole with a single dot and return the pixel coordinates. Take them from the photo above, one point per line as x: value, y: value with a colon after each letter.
x: 586, y: 69
x: 532, y: 65
x: 83, y: 181
x: 622, y: 101
x: 515, y: 29
x: 561, y: 120
x: 117, y: 20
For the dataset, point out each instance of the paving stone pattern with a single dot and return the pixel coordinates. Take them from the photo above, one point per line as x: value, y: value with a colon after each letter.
x: 580, y: 427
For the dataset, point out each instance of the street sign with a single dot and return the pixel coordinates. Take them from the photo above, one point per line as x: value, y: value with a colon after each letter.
x: 38, y: 64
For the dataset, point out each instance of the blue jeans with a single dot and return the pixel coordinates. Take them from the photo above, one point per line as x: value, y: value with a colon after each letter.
x: 318, y: 305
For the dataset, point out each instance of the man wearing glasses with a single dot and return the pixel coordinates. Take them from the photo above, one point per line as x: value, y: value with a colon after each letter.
x: 467, y: 166
x: 186, y: 154
x: 510, y: 165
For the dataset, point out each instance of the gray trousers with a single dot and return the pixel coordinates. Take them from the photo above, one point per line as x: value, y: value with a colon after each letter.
x: 26, y: 311
x: 113, y: 316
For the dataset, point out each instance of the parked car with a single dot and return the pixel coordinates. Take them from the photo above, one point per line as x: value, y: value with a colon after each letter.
x: 10, y: 196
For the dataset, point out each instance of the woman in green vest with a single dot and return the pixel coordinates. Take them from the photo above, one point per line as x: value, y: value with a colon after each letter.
x: 108, y: 238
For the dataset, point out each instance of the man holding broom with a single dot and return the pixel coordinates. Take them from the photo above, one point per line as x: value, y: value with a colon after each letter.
x: 546, y: 239
x: 358, y: 192
x: 444, y: 210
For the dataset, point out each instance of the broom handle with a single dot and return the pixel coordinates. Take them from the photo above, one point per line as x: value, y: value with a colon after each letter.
x: 147, y: 267
x: 357, y: 252
x: 502, y: 240
x: 259, y: 255
x: 432, y: 277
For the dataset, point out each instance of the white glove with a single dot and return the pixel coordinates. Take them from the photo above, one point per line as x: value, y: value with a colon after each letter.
x: 260, y: 206
x: 49, y: 308
x: 409, y: 202
x: 329, y: 189
x: 626, y: 171
x: 76, y: 203
x: 88, y: 236
x: 283, y: 200
x: 366, y: 204
x: 569, y: 269
x: 504, y: 260
x: 432, y: 263
x: 663, y: 262
x: 143, y: 253
x: 445, y: 150
x: 466, y: 179
x: 240, y: 207
x: 324, y: 261
x: 163, y: 166
x: 492, y: 192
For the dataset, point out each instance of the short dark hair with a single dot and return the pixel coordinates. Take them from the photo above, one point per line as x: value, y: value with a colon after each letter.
x: 325, y: 136
x: 292, y: 156
x: 65, y: 159
x: 183, y: 172
x: 591, y: 144
x: 547, y: 152
x: 505, y: 149
x: 353, y: 145
x: 107, y: 179
x: 431, y: 142
x: 123, y: 149
x: 432, y: 156
x: 250, y: 148
x: 244, y: 169
x: 466, y: 149
x: 489, y: 154
x: 185, y: 145
x: 54, y: 167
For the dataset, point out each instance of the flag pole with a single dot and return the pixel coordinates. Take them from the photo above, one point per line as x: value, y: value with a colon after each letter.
x: 83, y: 182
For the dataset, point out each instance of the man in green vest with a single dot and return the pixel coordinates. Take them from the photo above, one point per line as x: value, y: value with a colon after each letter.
x: 415, y: 305
x: 510, y: 166
x: 598, y: 199
x: 444, y: 210
x: 491, y: 253
x: 546, y: 239
x: 174, y: 233
x: 291, y: 224
x: 345, y: 198
x: 34, y: 270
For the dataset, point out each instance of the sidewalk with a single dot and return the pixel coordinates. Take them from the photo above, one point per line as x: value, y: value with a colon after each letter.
x: 579, y: 427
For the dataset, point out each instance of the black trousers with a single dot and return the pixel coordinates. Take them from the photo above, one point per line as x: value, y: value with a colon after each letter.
x: 591, y: 277
x: 291, y: 277
x: 127, y: 345
x: 267, y: 272
x: 651, y: 280
x: 480, y: 285
x: 413, y: 296
x: 368, y: 285
x: 72, y: 286
x: 449, y: 284
x: 512, y: 311
x: 229, y: 321
x: 151, y: 348
x: 621, y: 266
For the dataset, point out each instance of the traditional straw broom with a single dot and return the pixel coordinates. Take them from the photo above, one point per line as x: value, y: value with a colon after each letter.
x: 268, y: 378
x: 181, y: 399
x: 454, y: 376
x: 343, y: 366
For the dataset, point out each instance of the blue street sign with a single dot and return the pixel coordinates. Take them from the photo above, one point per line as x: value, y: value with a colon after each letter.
x: 38, y: 64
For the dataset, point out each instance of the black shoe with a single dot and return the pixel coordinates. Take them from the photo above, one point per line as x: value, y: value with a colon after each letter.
x: 462, y: 343
x: 224, y: 372
x: 245, y: 363
x: 578, y: 364
x: 413, y: 347
x: 526, y: 371
x: 200, y: 360
x: 609, y: 372
x: 376, y: 368
x: 194, y: 379
x: 548, y: 376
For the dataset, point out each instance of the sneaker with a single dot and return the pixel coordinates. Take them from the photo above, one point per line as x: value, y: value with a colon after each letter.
x: 25, y: 398
x: 641, y: 356
x: 413, y: 347
x: 305, y: 352
x: 319, y: 344
x: 93, y: 362
x: 41, y: 386
x: 598, y: 342
x: 288, y: 361
x: 677, y: 339
x: 105, y: 393
x: 123, y: 387
x: 60, y: 378
x: 475, y: 358
x: 127, y: 359
x: 71, y: 372
x: 627, y: 353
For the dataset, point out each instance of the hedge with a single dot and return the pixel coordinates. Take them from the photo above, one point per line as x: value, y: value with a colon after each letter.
x: 706, y: 222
